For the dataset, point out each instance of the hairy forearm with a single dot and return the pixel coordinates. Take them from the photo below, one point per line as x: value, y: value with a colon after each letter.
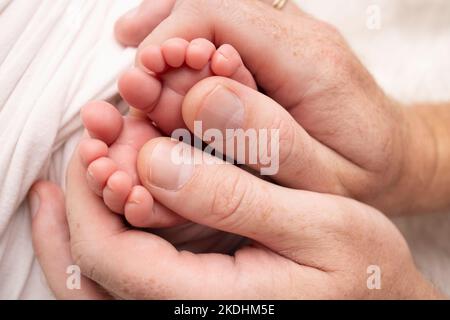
x: 428, y: 158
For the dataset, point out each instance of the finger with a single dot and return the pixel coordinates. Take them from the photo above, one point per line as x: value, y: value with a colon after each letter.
x: 211, y: 20
x: 207, y: 191
x: 49, y: 219
x: 256, y: 131
x: 134, y: 264
x: 134, y: 26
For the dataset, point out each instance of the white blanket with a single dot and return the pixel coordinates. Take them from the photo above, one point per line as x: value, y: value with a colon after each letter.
x: 55, y: 55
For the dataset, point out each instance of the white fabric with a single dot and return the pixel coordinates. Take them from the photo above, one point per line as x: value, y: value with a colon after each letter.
x: 55, y: 55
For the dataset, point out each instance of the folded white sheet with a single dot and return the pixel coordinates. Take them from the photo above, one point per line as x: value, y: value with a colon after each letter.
x: 55, y: 55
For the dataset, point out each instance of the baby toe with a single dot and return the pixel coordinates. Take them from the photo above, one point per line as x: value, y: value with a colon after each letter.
x: 91, y: 150
x: 116, y: 191
x: 199, y: 53
x: 227, y: 62
x: 98, y: 173
x: 139, y: 89
x: 139, y: 207
x: 174, y: 51
x: 152, y: 58
x: 102, y: 120
x: 163, y: 217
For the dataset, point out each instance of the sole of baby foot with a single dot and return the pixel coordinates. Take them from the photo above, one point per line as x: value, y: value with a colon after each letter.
x: 172, y: 70
x: 111, y: 170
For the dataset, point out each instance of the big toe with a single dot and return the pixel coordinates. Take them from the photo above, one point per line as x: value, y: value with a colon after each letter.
x: 102, y: 120
x: 139, y: 89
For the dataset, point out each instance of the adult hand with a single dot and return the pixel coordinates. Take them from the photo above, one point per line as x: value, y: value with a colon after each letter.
x: 307, y: 245
x: 347, y: 137
x: 134, y: 26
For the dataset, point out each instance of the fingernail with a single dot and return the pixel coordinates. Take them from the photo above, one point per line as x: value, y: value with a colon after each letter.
x: 167, y: 169
x: 33, y: 203
x: 222, y: 109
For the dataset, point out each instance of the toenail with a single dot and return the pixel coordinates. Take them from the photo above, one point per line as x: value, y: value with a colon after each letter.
x: 222, y: 56
x: 90, y: 174
x: 222, y: 109
x: 109, y: 186
x: 134, y: 201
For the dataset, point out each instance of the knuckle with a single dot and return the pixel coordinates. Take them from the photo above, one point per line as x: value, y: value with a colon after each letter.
x: 80, y: 256
x: 287, y: 139
x: 230, y: 199
x: 330, y: 30
x: 290, y: 146
x: 331, y: 49
x: 215, y: 9
x: 333, y: 57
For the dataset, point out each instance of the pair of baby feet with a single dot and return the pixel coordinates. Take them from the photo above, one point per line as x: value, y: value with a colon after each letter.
x: 156, y: 96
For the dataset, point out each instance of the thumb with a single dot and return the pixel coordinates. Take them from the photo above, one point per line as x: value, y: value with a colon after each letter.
x: 210, y: 192
x: 256, y: 131
x: 51, y: 241
x: 305, y: 227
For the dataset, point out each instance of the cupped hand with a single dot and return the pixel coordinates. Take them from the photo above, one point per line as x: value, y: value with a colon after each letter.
x: 305, y: 245
x: 364, y: 145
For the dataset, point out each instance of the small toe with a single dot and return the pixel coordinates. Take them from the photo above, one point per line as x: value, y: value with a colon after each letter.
x: 98, y: 173
x: 139, y: 207
x: 91, y: 150
x: 199, y: 53
x: 227, y: 62
x: 102, y: 120
x: 152, y: 59
x: 139, y: 89
x: 174, y: 51
x: 163, y: 217
x: 116, y: 191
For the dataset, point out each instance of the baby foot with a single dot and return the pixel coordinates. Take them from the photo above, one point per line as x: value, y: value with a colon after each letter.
x: 175, y: 67
x: 110, y: 156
